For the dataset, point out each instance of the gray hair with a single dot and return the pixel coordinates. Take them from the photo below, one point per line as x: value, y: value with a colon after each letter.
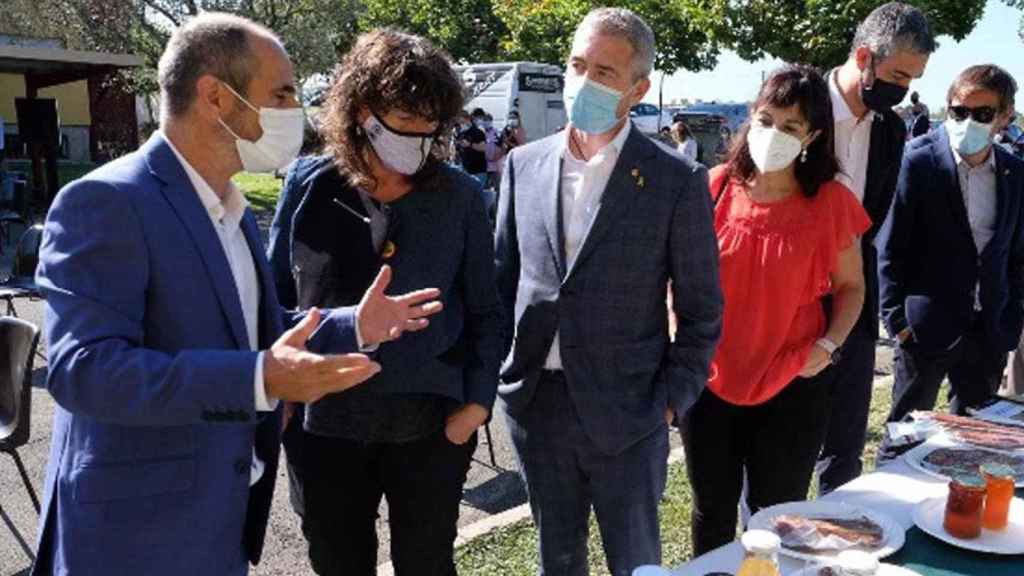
x: 212, y: 43
x: 624, y: 24
x: 892, y: 27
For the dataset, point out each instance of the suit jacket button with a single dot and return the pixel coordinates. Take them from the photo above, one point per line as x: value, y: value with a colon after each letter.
x: 242, y: 466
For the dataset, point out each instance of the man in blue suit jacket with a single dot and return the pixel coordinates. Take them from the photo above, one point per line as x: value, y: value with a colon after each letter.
x: 951, y: 252
x: 593, y: 223
x: 165, y: 440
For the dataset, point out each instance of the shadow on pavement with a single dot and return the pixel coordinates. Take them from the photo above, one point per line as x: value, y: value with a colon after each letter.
x: 498, y: 494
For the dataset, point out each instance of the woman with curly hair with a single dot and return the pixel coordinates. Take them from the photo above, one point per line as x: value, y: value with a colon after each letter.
x: 380, y: 196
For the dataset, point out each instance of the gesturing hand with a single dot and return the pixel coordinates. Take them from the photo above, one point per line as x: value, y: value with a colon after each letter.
x: 293, y: 374
x: 382, y: 318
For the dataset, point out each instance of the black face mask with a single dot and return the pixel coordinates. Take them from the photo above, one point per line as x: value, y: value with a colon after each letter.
x: 882, y: 95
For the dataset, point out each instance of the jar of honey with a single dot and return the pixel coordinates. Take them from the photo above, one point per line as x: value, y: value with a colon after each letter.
x: 761, y: 553
x: 999, y: 483
x: 965, y: 506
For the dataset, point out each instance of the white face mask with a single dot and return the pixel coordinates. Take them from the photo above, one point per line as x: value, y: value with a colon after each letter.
x: 403, y: 153
x: 281, y: 141
x: 771, y: 149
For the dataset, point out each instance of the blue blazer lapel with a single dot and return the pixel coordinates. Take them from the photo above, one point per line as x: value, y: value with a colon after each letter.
x: 185, y: 200
x: 1003, y: 199
x: 549, y: 177
x: 270, y: 310
x: 946, y: 163
x: 622, y: 186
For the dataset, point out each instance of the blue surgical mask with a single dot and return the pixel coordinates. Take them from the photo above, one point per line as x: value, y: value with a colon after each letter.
x: 968, y: 137
x: 592, y: 107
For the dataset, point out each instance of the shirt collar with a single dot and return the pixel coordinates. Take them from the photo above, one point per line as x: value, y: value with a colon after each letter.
x: 230, y: 210
x: 615, y: 146
x: 840, y: 109
x: 988, y: 164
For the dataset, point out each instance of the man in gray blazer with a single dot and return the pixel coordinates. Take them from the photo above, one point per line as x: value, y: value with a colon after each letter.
x: 593, y: 223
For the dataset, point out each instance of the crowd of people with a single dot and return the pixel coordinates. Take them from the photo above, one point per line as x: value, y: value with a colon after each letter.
x: 181, y: 357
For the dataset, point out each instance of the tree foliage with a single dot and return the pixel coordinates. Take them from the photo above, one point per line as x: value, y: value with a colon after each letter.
x: 819, y: 32
x: 468, y: 29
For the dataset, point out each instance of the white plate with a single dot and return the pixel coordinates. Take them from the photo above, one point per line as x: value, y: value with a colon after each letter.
x: 929, y: 516
x: 915, y: 458
x: 892, y: 533
x: 883, y: 570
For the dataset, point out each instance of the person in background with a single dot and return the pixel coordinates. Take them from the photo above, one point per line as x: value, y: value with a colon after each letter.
x: 167, y: 343
x: 378, y: 197
x: 495, y: 154
x: 513, y: 134
x: 472, y: 146
x: 592, y: 222
x: 920, y: 117
x: 788, y: 235
x: 890, y: 49
x: 951, y: 252
x: 686, y: 144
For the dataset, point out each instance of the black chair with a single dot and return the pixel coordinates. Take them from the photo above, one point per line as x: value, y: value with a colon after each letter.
x: 18, y: 342
x: 22, y: 281
x: 12, y: 204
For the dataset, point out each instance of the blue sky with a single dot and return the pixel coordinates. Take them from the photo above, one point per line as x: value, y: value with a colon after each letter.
x: 994, y: 40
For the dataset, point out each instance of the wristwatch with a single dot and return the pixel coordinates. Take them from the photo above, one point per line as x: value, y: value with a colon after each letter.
x: 835, y: 351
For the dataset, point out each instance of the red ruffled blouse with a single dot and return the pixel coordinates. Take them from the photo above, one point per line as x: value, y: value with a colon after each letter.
x: 776, y: 263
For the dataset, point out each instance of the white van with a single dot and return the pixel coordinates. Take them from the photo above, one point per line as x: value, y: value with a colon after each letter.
x: 535, y: 90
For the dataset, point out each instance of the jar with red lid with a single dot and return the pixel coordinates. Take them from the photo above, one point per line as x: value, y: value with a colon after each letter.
x: 965, y: 506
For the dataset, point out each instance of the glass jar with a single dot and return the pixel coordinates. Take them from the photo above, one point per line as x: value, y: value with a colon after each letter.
x: 857, y: 563
x: 999, y: 485
x: 761, y: 553
x: 964, y: 506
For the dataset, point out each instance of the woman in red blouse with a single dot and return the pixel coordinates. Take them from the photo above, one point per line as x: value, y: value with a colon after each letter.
x: 787, y: 233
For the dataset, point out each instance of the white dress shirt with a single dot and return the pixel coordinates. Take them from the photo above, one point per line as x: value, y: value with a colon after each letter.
x: 853, y: 140
x: 226, y: 217
x: 978, y: 187
x: 583, y: 184
x: 688, y: 149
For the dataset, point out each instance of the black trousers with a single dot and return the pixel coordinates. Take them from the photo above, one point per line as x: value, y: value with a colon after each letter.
x: 851, y: 382
x: 974, y: 367
x: 777, y: 443
x: 343, y: 481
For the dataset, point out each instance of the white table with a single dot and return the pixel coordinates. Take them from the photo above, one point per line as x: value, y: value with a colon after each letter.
x: 894, y: 489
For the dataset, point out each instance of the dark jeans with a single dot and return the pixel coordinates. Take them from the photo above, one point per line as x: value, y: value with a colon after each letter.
x: 343, y: 481
x: 566, y: 474
x: 851, y: 381
x: 777, y: 443
x: 974, y: 367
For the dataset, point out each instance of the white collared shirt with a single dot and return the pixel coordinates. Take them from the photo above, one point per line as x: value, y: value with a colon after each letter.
x: 853, y: 140
x: 583, y: 185
x: 978, y: 187
x: 226, y: 217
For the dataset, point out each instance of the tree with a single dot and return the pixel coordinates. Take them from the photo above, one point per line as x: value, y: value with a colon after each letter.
x: 686, y: 31
x: 819, y: 32
x: 468, y: 29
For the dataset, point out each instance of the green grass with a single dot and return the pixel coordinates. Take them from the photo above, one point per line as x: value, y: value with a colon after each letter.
x: 512, y: 550
x: 261, y: 190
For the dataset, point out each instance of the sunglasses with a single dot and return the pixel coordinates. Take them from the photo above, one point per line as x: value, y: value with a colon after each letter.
x: 982, y: 114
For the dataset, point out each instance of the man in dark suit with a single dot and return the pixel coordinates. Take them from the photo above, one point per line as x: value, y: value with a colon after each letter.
x: 951, y: 252
x: 593, y: 222
x: 167, y: 347
x: 891, y: 48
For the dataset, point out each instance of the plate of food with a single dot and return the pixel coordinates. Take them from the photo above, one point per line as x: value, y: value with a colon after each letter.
x: 930, y: 517
x: 883, y: 570
x: 941, y: 457
x: 977, y: 432
x: 819, y: 531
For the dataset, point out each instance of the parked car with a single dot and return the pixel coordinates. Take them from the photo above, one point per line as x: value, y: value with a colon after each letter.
x: 712, y: 133
x: 735, y: 114
x: 649, y: 119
